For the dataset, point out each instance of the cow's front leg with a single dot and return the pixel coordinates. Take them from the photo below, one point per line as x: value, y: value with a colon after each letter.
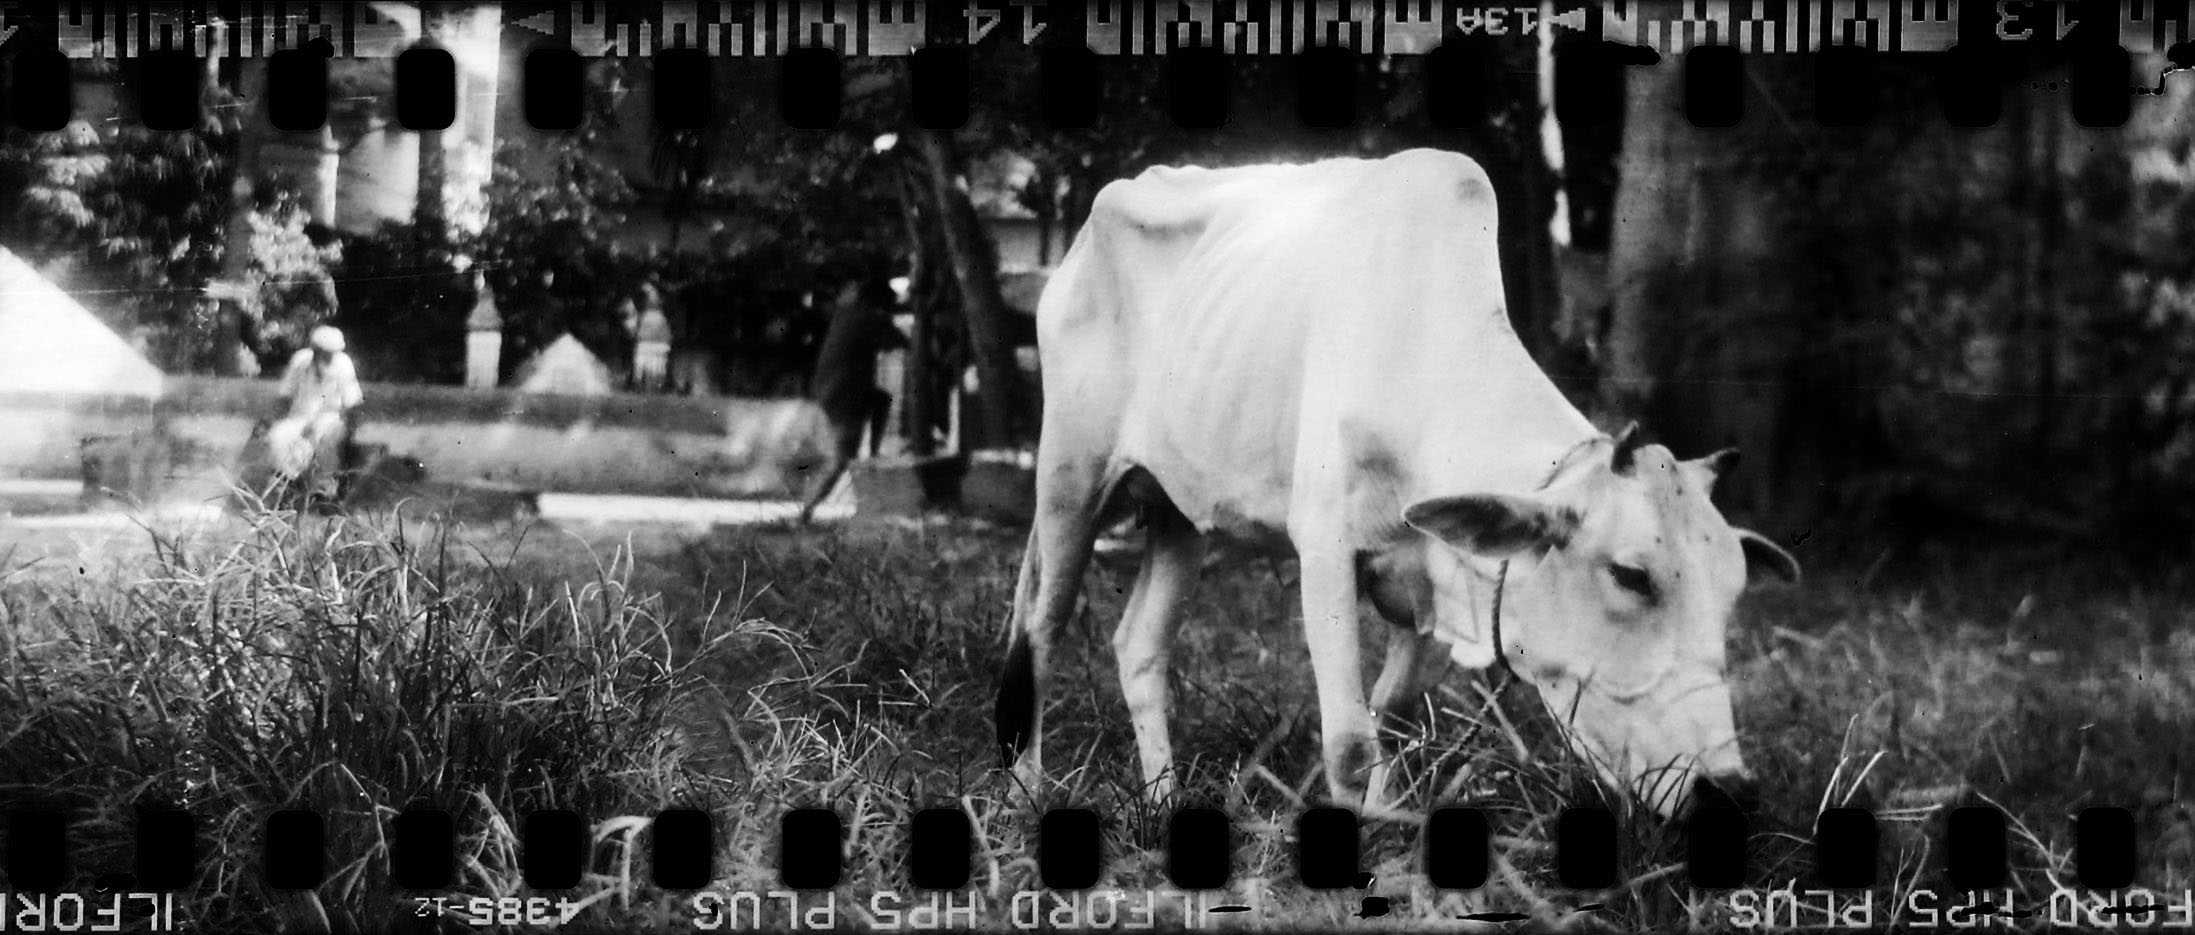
x: 1350, y: 744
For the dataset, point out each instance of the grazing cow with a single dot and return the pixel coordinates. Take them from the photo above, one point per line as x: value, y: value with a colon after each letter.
x: 1321, y: 352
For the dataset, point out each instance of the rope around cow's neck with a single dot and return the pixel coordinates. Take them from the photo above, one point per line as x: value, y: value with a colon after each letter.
x: 1501, y: 577
x: 1501, y: 649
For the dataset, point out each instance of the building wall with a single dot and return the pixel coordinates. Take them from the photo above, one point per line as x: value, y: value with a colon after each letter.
x: 377, y: 176
x: 377, y: 179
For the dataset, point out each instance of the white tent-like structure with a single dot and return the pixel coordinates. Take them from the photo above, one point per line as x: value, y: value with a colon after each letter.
x: 51, y: 344
x: 564, y: 368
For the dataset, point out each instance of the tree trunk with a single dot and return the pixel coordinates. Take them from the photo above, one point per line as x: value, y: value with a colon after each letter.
x: 237, y: 304
x: 2048, y: 248
x: 1710, y: 290
x: 1047, y: 211
x: 1082, y: 188
x: 1533, y: 296
x: 1650, y: 227
x: 430, y: 220
x: 975, y: 269
x: 919, y: 389
x: 442, y: 27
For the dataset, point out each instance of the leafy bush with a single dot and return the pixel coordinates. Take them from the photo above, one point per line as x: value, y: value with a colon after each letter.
x: 292, y: 271
x: 142, y: 213
x: 139, y: 220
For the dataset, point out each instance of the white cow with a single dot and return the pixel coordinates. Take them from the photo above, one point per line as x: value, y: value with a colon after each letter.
x: 1322, y: 351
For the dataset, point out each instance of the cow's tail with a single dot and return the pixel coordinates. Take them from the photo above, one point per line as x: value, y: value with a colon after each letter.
x: 1016, y: 710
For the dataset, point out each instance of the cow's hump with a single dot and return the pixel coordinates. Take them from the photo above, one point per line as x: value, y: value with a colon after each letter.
x: 1168, y: 199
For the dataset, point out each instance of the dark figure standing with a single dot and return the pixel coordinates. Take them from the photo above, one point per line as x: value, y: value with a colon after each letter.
x: 845, y: 386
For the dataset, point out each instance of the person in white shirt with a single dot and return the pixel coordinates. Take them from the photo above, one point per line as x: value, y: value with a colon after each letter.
x: 320, y: 394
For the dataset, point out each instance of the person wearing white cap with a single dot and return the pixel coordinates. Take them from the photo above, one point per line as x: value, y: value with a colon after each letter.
x: 320, y: 395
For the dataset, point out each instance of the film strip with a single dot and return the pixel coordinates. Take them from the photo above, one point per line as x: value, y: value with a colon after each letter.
x: 1455, y: 847
x: 805, y: 867
x: 1330, y: 36
x: 1108, y: 27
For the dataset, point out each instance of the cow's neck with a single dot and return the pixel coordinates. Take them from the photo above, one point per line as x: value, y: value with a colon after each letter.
x: 1493, y: 423
x: 1509, y: 438
x: 1513, y: 452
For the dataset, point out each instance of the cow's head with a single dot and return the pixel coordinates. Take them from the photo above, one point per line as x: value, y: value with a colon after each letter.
x: 1622, y: 577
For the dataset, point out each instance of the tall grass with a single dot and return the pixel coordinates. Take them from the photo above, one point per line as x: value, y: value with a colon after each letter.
x: 2038, y: 690
x: 351, y: 667
x: 356, y: 667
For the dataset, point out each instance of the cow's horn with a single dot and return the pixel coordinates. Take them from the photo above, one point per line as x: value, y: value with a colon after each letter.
x: 1627, y: 445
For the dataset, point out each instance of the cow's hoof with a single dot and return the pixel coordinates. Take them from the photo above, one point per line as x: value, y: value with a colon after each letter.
x: 1354, y: 769
x: 1376, y: 798
x: 1027, y: 780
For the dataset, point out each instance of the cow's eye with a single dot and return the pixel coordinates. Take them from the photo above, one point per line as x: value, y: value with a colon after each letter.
x: 1632, y: 579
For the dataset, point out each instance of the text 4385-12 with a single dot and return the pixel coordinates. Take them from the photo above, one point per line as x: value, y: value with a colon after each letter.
x: 490, y: 911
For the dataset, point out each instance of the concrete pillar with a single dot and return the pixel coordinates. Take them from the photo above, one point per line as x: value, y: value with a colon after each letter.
x: 378, y: 176
x: 473, y: 35
x: 327, y: 171
x: 483, y: 338
x: 483, y: 354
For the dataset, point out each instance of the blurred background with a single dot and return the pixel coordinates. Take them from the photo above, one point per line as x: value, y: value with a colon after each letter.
x: 1915, y: 331
x: 1960, y: 362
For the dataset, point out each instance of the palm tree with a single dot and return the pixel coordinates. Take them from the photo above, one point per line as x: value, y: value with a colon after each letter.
x: 683, y: 162
x: 974, y: 265
x: 240, y: 112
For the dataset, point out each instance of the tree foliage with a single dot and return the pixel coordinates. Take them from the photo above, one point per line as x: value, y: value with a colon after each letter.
x: 137, y: 218
x: 292, y: 271
x: 133, y: 221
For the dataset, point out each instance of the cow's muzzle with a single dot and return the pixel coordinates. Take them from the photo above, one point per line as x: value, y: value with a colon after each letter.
x: 1737, y: 791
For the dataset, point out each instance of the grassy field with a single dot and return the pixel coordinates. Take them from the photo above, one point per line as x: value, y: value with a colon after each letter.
x: 357, y: 666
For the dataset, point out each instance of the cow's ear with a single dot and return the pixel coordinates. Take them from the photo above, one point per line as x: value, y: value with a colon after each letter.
x: 1494, y: 525
x: 1763, y: 557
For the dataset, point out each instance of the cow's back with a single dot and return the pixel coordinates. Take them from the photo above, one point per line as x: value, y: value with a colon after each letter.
x: 1215, y: 326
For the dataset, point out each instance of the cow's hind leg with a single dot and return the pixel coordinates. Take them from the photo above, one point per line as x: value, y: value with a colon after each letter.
x: 1051, y: 577
x: 1172, y: 558
x: 1415, y: 664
